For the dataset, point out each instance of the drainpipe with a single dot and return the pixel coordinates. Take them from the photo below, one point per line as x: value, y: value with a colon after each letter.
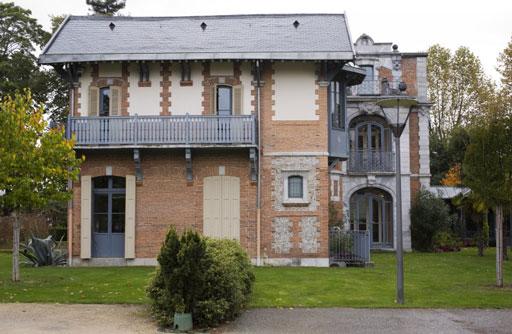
x: 70, y: 183
x: 258, y: 184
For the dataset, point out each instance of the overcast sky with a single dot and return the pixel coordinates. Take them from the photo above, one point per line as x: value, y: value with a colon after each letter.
x: 483, y: 26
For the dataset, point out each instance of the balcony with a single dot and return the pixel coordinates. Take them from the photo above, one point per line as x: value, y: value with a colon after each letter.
x: 370, y: 161
x: 163, y: 131
x: 378, y: 88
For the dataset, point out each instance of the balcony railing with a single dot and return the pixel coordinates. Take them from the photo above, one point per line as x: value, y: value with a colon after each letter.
x: 370, y: 161
x: 186, y: 130
x: 377, y: 87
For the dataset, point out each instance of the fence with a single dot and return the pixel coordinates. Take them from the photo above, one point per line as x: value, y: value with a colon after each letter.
x: 349, y: 247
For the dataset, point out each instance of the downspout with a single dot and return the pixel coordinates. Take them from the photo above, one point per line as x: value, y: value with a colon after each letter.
x: 70, y: 182
x: 258, y: 182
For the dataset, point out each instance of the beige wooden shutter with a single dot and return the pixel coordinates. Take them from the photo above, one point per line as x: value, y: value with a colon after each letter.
x: 237, y: 100
x: 85, y: 217
x: 212, y: 206
x: 213, y: 99
x: 230, y: 207
x: 115, y: 101
x: 129, y: 229
x: 221, y: 207
x: 94, y: 100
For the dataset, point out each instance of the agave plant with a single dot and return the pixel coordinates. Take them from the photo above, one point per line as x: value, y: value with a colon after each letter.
x: 44, y: 252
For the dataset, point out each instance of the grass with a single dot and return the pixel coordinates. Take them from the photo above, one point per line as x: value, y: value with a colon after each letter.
x: 431, y: 280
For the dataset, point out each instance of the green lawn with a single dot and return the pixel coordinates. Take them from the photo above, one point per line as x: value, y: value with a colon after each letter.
x: 432, y: 280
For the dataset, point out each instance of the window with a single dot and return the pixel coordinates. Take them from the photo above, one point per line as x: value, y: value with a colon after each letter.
x: 105, y: 101
x: 295, y: 187
x: 337, y: 104
x: 224, y: 100
x: 143, y: 72
x: 185, y: 72
x: 369, y: 85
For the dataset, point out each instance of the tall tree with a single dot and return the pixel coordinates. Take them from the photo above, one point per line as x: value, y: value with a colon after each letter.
x: 505, y: 69
x: 106, y: 7
x: 487, y: 167
x: 20, y: 35
x: 457, y: 86
x: 35, y: 162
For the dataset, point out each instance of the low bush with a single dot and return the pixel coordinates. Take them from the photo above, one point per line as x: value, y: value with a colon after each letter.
x: 429, y: 215
x: 445, y: 241
x: 212, y: 279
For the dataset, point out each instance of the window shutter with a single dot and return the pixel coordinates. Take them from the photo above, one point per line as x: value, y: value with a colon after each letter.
x: 115, y: 101
x: 129, y: 230
x: 85, y: 217
x: 94, y: 100
x: 213, y: 99
x: 237, y: 100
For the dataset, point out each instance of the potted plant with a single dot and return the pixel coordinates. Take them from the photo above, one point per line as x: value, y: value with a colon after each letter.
x: 182, y: 320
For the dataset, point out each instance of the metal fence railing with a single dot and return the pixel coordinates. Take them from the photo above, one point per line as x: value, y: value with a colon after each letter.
x: 371, y: 161
x: 380, y: 87
x: 349, y: 247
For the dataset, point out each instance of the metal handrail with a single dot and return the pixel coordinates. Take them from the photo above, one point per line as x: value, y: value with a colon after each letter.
x: 160, y: 130
x: 371, y: 161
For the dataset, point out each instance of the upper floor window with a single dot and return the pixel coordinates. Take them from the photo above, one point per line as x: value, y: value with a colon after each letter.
x: 144, y: 72
x: 337, y: 104
x: 369, y: 85
x: 224, y: 100
x: 370, y: 133
x: 104, y: 101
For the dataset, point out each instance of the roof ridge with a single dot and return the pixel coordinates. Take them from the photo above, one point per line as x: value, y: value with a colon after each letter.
x: 106, y: 18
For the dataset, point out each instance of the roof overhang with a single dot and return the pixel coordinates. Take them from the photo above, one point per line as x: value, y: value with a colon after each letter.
x: 306, y: 56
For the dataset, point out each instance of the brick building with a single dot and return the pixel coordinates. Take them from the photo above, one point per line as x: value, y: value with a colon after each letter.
x: 243, y: 127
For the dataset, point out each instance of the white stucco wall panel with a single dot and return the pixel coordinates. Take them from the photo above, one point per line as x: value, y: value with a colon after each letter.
x: 186, y: 99
x: 83, y: 90
x: 246, y: 79
x: 294, y: 87
x: 144, y: 101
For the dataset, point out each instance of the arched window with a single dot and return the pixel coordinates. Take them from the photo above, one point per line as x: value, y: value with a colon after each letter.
x: 295, y: 186
x: 224, y: 100
x: 104, y: 101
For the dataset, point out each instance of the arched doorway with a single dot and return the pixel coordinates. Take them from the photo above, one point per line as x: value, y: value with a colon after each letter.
x: 108, y: 216
x: 372, y: 209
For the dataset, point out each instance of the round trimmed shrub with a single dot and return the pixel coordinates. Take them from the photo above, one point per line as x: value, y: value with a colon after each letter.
x: 210, y: 278
x: 429, y: 215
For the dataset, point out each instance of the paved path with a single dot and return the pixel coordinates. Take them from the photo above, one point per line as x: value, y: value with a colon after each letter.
x: 337, y: 320
x: 127, y: 319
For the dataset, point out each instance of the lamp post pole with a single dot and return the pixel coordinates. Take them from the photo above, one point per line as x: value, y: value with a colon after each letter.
x: 399, y: 239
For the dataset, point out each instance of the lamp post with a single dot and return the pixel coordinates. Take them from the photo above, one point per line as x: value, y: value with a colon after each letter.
x: 396, y: 111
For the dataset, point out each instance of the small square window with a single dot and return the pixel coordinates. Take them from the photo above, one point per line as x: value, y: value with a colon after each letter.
x: 295, y: 187
x: 295, y: 192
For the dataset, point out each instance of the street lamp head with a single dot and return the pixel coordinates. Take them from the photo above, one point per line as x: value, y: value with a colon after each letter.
x: 396, y: 111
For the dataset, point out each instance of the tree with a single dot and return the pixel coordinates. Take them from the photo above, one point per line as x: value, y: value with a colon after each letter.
x: 487, y: 167
x: 505, y: 69
x: 20, y: 34
x: 35, y: 162
x: 457, y: 87
x: 106, y: 7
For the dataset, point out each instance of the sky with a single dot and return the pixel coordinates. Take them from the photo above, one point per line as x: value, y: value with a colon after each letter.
x: 483, y: 26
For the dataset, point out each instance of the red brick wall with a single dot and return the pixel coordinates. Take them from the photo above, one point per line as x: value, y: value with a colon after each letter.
x: 165, y: 198
x: 292, y: 136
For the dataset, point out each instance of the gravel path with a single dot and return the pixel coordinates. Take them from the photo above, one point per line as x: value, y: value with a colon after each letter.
x: 127, y: 319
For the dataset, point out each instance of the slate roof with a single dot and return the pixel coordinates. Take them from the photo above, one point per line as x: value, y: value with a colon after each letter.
x: 89, y: 38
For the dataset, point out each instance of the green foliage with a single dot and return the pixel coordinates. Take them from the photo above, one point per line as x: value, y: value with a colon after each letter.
x: 487, y: 164
x: 211, y: 279
x: 44, y: 252
x: 505, y: 69
x: 106, y: 7
x: 35, y: 162
x: 19, y: 35
x: 429, y: 215
x: 445, y: 241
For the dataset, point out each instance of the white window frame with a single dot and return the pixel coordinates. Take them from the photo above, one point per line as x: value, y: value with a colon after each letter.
x: 305, y: 194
